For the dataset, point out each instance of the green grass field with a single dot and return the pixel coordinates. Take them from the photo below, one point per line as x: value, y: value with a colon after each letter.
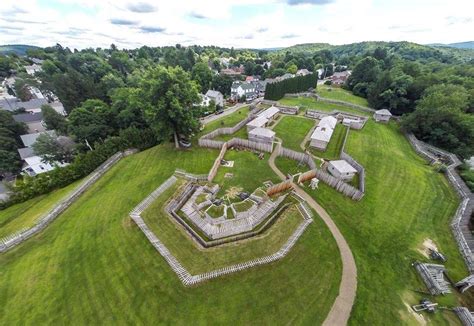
x: 337, y: 93
x: 333, y: 151
x: 17, y: 217
x: 292, y: 131
x: 248, y: 170
x: 226, y: 121
x: 94, y: 266
x: 243, y: 205
x: 311, y: 103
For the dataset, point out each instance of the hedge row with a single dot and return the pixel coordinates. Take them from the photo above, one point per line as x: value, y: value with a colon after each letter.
x: 276, y: 91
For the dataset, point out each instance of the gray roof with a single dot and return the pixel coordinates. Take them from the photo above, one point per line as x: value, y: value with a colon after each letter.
x: 28, y: 117
x: 213, y: 93
x: 29, y: 139
x: 342, y: 166
x: 383, y: 112
x: 263, y: 132
x: 26, y: 152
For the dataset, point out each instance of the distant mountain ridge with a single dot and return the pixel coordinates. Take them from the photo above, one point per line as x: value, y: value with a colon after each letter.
x: 459, y: 45
x: 19, y: 49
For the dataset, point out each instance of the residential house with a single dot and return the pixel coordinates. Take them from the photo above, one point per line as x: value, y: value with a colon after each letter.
x: 33, y: 163
x: 240, y: 89
x: 342, y: 170
x: 205, y: 101
x: 320, y: 72
x: 216, y: 96
x: 303, y: 72
x: 322, y: 134
x: 340, y: 78
x: 383, y: 115
x: 260, y: 86
x: 34, y: 121
x: 262, y: 135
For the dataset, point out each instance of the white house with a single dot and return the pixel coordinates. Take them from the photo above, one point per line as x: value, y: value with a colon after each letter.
x: 205, y: 100
x: 262, y: 135
x: 216, y: 96
x: 320, y: 72
x: 240, y: 89
x: 322, y: 134
x: 303, y: 72
x: 382, y: 115
x: 341, y: 170
x: 31, y: 70
x: 258, y: 122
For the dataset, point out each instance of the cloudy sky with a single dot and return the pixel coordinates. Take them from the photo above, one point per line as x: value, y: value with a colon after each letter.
x: 239, y: 23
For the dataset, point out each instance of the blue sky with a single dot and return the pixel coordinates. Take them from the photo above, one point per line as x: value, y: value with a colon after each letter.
x: 239, y: 23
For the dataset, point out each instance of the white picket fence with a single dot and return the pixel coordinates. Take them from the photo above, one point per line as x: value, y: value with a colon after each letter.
x: 17, y: 238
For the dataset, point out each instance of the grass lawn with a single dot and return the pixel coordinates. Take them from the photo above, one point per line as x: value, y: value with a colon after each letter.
x: 201, y: 198
x: 337, y: 93
x: 243, y: 205
x: 241, y: 133
x: 292, y: 131
x: 215, y: 211
x: 333, y: 151
x: 289, y: 166
x: 406, y: 202
x: 94, y: 266
x: 312, y: 103
x: 226, y: 121
x: 24, y: 215
x: 249, y: 172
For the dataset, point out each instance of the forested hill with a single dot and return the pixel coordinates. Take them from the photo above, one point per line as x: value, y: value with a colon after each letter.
x: 406, y: 50
x: 459, y: 45
x: 19, y: 49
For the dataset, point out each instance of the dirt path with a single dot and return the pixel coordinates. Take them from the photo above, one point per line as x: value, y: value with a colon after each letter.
x: 342, y: 306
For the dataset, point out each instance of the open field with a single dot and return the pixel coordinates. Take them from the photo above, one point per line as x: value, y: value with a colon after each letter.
x: 94, y: 266
x: 249, y: 172
x: 333, y: 151
x: 312, y: 103
x: 292, y: 130
x: 228, y: 121
x: 24, y: 215
x: 337, y: 93
x: 406, y: 202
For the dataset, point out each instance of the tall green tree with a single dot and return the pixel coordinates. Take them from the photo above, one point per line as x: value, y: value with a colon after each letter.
x: 202, y: 75
x: 54, y: 120
x: 52, y: 148
x: 169, y: 96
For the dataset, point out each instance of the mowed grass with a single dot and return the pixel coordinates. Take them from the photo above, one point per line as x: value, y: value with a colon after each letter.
x: 226, y: 121
x: 198, y: 260
x: 292, y: 130
x: 337, y: 93
x: 249, y: 172
x: 333, y: 150
x: 94, y: 266
x: 406, y: 202
x: 24, y: 215
x: 312, y: 103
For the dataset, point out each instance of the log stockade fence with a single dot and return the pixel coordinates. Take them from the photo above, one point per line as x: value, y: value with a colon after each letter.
x: 183, y: 274
x: 460, y: 221
x: 41, y: 223
x: 332, y: 101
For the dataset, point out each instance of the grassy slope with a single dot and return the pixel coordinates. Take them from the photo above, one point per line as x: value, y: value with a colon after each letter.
x: 227, y: 121
x: 24, y: 215
x: 92, y: 265
x: 311, y: 103
x: 405, y: 202
x: 337, y: 93
x: 292, y: 130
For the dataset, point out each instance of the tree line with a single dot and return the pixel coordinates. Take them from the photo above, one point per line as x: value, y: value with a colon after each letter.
x: 277, y: 90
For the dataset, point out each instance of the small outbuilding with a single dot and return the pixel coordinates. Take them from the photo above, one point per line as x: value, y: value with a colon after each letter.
x: 322, y: 134
x: 269, y: 113
x: 258, y: 122
x: 262, y: 135
x: 383, y: 115
x: 341, y: 170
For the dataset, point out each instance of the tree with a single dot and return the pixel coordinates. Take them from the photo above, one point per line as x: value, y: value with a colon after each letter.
x: 128, y: 108
x: 9, y: 162
x: 54, y: 149
x: 202, y: 75
x: 54, y: 120
x: 292, y: 69
x: 169, y: 96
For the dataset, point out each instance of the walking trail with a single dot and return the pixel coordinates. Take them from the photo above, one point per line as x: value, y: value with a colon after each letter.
x: 342, y: 306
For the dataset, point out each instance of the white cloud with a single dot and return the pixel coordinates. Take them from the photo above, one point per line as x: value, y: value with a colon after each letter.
x: 92, y: 23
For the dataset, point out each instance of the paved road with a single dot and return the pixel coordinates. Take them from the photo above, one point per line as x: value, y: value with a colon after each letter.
x: 342, y: 306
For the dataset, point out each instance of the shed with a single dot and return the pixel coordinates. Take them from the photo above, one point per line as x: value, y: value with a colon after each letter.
x: 262, y: 135
x: 382, y: 115
x: 258, y: 122
x: 341, y: 170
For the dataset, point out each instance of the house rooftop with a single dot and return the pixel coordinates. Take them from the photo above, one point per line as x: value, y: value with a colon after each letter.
x: 29, y: 139
x: 213, y: 93
x: 342, y: 166
x: 323, y: 133
x: 262, y: 132
x: 28, y: 117
x: 26, y: 152
x: 383, y: 112
x: 328, y: 121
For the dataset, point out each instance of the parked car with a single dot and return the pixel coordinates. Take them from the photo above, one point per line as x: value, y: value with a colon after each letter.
x: 219, y: 111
